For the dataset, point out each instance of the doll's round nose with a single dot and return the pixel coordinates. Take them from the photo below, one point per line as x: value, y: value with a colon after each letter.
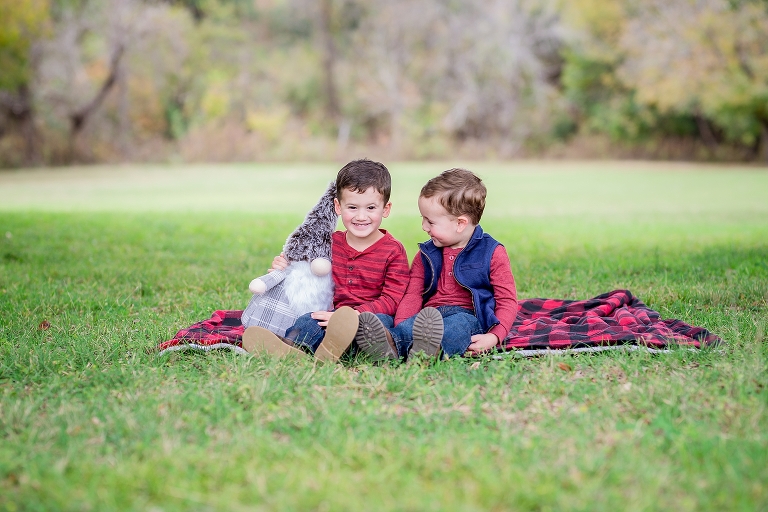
x: 320, y: 267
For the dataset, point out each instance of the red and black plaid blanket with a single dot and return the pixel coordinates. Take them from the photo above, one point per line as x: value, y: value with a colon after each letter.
x: 612, y: 319
x: 615, y: 319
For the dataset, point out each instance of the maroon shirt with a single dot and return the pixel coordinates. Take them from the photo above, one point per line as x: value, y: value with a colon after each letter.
x: 451, y: 293
x: 373, y: 280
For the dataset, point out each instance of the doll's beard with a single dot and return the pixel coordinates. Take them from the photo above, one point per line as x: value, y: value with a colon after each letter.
x: 307, y: 292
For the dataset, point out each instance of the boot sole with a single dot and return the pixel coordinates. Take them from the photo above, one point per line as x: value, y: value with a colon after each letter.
x: 339, y: 334
x: 373, y: 338
x: 427, y: 332
x: 258, y: 339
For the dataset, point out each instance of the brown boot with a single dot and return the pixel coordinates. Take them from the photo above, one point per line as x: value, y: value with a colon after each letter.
x: 374, y: 339
x: 258, y: 339
x: 427, y: 332
x: 339, y: 334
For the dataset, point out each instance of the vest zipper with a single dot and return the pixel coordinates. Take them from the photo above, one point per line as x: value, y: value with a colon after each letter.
x: 455, y: 277
x: 432, y: 268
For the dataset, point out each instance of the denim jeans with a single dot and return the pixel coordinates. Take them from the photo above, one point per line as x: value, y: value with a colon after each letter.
x: 459, y: 325
x: 306, y: 331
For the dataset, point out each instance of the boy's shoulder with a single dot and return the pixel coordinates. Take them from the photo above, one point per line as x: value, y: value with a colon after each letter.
x: 390, y: 238
x: 391, y: 245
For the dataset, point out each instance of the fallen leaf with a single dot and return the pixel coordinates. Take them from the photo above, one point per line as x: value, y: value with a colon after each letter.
x: 475, y: 365
x: 564, y: 367
x: 44, y: 325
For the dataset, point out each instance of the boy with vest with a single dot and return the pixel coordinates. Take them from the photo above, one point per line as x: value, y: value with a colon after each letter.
x: 461, y: 296
x: 369, y: 268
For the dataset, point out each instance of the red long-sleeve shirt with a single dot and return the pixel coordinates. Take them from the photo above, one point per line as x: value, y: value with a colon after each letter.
x: 451, y: 293
x: 373, y: 280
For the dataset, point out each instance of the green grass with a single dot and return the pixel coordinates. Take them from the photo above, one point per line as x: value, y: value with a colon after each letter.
x: 117, y: 260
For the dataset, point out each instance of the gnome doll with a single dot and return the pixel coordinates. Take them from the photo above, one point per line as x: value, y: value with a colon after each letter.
x: 281, y: 296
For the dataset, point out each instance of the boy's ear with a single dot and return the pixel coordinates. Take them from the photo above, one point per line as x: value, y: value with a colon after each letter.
x: 336, y: 206
x: 462, y: 221
x: 387, y: 208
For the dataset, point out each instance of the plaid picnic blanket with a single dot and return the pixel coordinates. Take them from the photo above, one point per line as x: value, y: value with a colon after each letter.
x: 223, y: 330
x: 609, y: 320
x: 612, y: 320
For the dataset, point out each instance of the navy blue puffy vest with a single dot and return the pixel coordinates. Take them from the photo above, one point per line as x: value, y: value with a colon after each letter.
x: 472, y: 270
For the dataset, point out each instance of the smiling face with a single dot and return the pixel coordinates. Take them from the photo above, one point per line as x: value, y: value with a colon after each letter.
x: 362, y: 213
x: 444, y: 229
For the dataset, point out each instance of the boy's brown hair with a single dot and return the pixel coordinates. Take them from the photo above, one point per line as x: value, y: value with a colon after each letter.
x: 459, y: 191
x: 360, y: 175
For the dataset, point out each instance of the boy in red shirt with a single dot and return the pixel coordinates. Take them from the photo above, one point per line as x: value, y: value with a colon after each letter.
x: 369, y: 268
x: 461, y: 296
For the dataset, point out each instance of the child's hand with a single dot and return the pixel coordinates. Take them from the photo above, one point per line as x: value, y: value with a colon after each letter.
x: 482, y: 343
x: 322, y: 317
x: 279, y: 263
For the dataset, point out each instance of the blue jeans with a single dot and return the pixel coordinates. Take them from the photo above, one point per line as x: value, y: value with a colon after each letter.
x: 306, y: 331
x: 459, y: 325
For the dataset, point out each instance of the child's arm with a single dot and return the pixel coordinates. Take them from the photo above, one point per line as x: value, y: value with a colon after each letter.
x: 395, y: 283
x: 505, y: 293
x: 412, y: 300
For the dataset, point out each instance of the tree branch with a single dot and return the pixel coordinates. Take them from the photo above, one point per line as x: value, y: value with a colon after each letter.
x: 78, y: 119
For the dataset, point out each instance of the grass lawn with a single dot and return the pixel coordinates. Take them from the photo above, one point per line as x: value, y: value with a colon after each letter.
x: 98, y: 265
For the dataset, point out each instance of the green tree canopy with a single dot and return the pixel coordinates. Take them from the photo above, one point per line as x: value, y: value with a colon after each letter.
x: 22, y: 22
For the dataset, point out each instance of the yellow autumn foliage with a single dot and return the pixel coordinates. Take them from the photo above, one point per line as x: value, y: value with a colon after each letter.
x: 21, y: 22
x: 270, y: 124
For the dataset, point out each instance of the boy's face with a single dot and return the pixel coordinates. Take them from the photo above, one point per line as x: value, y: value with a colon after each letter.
x: 362, y: 212
x: 444, y: 229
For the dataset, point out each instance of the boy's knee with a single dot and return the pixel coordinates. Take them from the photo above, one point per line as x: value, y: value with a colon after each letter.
x: 305, y: 321
x: 304, y: 329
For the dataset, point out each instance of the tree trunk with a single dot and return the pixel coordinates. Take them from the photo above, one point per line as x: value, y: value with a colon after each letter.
x: 329, y: 60
x: 123, y: 112
x: 78, y: 119
x: 705, y: 132
x: 18, y: 108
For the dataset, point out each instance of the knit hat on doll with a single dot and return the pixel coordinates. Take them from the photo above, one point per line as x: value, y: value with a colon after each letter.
x: 312, y: 239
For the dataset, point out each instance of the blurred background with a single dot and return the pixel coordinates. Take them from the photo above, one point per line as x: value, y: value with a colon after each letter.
x: 107, y: 81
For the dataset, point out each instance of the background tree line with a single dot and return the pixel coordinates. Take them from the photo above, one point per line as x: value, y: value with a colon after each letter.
x: 219, y: 80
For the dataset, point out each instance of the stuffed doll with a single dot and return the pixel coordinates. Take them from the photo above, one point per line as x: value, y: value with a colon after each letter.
x: 281, y: 296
